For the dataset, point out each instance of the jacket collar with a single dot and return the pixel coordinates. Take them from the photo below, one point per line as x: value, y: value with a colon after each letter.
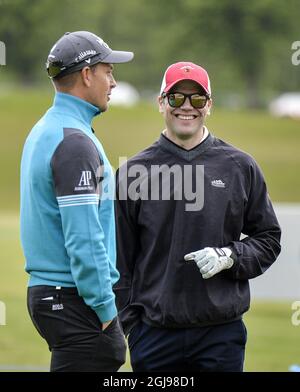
x: 167, y: 145
x: 76, y: 107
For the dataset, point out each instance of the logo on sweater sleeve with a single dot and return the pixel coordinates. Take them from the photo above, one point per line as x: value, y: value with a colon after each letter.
x: 84, y: 182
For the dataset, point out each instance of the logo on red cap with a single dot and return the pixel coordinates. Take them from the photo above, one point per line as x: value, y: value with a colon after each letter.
x: 187, y: 68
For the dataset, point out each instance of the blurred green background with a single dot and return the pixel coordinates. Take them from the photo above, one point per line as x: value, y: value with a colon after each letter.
x: 246, y: 48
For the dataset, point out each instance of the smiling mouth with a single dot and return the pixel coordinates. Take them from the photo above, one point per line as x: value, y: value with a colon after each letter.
x: 185, y: 117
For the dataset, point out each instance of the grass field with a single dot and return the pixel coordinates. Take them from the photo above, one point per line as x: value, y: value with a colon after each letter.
x: 273, y: 342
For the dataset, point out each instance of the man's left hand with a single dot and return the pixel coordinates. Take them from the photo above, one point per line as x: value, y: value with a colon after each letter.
x: 211, y: 261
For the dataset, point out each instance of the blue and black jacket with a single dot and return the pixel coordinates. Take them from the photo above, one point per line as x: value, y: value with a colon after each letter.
x: 67, y: 210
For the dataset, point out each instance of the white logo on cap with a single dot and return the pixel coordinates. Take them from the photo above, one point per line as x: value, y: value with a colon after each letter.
x: 82, y: 55
x: 187, y: 68
x: 88, y: 61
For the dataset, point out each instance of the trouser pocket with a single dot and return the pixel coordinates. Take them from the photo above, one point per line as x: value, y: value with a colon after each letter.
x: 48, y: 316
x: 113, y: 343
x: 74, y: 333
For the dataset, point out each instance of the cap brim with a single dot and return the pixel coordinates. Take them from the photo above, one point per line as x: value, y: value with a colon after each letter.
x: 117, y: 56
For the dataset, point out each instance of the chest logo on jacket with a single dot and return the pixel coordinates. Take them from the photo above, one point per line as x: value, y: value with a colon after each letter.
x: 218, y: 183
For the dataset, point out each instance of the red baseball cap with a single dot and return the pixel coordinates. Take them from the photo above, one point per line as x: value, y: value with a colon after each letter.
x: 185, y: 71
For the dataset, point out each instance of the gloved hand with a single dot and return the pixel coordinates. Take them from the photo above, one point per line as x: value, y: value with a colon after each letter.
x: 210, y: 261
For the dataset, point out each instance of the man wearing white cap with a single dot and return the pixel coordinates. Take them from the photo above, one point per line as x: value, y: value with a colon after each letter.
x: 182, y: 205
x: 67, y: 212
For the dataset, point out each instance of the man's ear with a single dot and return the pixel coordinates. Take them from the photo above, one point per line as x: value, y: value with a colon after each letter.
x: 86, y: 76
x: 209, y: 106
x: 161, y: 104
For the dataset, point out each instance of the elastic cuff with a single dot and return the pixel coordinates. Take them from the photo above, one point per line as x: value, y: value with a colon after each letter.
x: 227, y: 251
x: 106, y: 312
x: 233, y: 255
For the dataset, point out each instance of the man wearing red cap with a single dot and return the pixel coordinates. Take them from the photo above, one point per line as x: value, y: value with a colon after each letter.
x: 182, y: 205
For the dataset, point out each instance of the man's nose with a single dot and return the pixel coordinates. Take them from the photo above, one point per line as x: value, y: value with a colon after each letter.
x: 113, y: 82
x: 186, y: 104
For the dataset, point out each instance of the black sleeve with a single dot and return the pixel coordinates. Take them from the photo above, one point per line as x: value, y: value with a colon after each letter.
x: 127, y: 247
x: 76, y: 165
x: 255, y: 254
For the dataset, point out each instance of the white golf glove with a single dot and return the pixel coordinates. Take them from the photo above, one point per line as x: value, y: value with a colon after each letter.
x: 210, y: 261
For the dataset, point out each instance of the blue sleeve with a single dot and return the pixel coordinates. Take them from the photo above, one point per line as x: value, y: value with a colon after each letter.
x: 77, y: 169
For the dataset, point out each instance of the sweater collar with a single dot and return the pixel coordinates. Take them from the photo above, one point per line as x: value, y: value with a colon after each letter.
x: 188, y: 155
x: 75, y: 107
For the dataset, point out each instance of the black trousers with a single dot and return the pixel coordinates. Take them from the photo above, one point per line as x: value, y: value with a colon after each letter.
x: 218, y: 348
x: 74, y: 332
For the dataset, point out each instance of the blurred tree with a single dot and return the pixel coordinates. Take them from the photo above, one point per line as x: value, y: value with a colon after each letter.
x: 30, y: 27
x: 246, y: 33
x: 246, y: 46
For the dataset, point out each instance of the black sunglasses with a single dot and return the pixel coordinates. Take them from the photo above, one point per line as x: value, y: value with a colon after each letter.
x: 177, y: 99
x: 56, y: 67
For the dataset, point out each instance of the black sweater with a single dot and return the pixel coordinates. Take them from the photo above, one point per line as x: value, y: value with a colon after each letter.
x: 156, y: 284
